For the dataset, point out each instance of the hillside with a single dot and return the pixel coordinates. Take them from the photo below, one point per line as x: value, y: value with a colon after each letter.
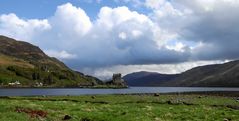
x: 219, y: 75
x: 25, y: 63
x: 144, y: 78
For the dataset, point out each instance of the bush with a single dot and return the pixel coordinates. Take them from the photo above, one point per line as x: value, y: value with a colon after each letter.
x: 22, y: 72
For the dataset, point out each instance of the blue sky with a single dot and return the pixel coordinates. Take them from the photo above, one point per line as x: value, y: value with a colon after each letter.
x: 101, y: 37
x: 45, y: 8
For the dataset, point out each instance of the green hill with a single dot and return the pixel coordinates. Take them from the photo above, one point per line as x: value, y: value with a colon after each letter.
x: 218, y: 75
x: 25, y: 63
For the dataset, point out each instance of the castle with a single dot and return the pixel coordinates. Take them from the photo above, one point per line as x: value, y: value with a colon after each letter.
x: 117, y: 80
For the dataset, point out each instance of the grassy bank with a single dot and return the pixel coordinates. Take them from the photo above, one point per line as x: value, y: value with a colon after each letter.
x: 121, y: 108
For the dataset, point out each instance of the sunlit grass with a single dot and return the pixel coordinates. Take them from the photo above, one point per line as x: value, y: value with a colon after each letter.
x: 123, y: 108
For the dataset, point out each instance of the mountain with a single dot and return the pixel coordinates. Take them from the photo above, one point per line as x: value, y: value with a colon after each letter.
x: 144, y: 78
x: 27, y: 64
x: 218, y: 75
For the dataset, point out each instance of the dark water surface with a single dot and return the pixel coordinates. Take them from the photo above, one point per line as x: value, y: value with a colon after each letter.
x: 130, y: 90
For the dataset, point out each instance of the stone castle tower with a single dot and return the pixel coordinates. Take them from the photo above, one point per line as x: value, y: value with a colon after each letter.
x: 117, y: 79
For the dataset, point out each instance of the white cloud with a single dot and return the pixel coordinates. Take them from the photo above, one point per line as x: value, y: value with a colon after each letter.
x: 60, y: 54
x: 154, y: 4
x: 69, y: 26
x: 109, y: 17
x: 212, y: 24
x: 122, y: 35
x: 97, y: 44
x: 70, y: 19
x: 180, y: 47
x: 12, y: 26
x: 136, y: 33
x: 198, y: 28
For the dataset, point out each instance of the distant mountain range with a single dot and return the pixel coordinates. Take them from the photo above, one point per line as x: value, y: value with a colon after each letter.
x: 218, y: 75
x: 144, y: 78
x: 29, y: 66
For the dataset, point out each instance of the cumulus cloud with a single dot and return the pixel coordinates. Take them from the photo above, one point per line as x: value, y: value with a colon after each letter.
x: 63, y: 55
x: 212, y: 24
x: 68, y: 25
x: 216, y: 24
x: 13, y: 26
x: 99, y: 43
x: 122, y: 37
x: 172, y: 32
x: 72, y: 19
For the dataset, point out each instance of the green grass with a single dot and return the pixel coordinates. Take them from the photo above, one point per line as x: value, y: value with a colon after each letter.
x: 123, y: 108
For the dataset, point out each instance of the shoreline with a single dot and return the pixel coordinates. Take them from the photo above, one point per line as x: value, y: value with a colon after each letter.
x: 104, y: 87
x: 204, y: 93
x: 109, y: 87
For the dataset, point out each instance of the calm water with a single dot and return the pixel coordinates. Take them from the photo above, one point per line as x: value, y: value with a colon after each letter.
x: 131, y: 90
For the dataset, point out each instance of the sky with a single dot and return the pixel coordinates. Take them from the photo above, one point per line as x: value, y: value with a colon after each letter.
x: 102, y: 37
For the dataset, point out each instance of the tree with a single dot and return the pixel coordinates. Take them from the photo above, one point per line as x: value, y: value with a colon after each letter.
x: 48, y: 80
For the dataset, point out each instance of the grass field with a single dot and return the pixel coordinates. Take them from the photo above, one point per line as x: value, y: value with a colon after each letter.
x: 120, y: 108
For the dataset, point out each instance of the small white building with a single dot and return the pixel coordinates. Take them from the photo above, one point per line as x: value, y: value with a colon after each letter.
x: 14, y: 83
x: 38, y: 84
